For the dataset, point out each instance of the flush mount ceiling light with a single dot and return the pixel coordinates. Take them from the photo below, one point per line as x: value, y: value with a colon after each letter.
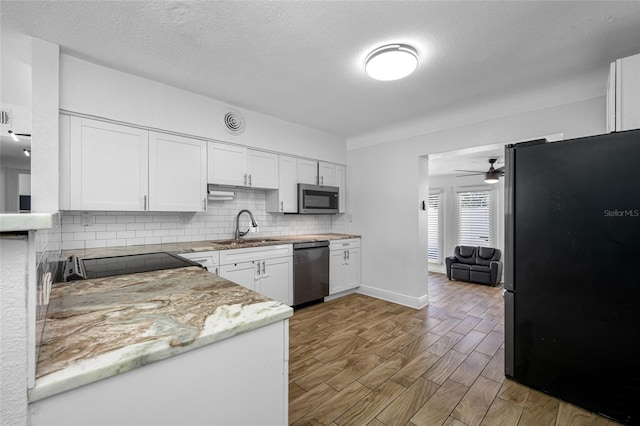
x: 27, y: 152
x: 391, y: 62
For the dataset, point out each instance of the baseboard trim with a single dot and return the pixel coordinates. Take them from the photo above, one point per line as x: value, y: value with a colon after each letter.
x: 392, y: 296
x: 341, y: 294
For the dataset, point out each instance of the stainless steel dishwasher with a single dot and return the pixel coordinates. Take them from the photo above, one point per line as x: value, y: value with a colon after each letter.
x: 310, y: 272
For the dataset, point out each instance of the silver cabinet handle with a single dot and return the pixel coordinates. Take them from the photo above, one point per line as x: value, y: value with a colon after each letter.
x: 348, y: 254
x: 145, y: 203
x: 204, y: 203
x: 344, y: 255
x: 322, y: 180
x: 245, y: 179
x: 258, y: 271
x: 249, y: 180
x: 216, y: 272
x: 281, y: 206
x: 263, y: 267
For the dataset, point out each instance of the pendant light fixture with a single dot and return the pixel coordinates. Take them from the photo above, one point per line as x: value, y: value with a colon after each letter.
x: 391, y: 62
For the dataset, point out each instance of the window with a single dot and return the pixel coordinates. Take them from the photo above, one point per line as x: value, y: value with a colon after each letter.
x: 475, y: 212
x: 434, y: 228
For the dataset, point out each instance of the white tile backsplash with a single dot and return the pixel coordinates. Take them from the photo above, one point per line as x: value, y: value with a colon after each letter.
x: 132, y: 228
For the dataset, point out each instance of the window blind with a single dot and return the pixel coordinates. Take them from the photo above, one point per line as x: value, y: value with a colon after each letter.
x: 475, y: 227
x: 433, y: 213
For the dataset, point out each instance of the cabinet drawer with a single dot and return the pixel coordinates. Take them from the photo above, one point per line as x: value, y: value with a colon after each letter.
x: 255, y: 253
x: 344, y: 244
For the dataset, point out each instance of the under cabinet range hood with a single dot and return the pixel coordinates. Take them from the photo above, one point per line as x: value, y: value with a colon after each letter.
x: 317, y: 199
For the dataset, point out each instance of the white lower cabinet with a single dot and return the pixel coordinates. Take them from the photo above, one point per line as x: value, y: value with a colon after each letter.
x: 276, y: 279
x: 243, y: 273
x: 266, y: 270
x: 344, y: 265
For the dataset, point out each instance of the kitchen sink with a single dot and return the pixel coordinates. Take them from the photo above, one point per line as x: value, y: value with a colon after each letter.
x: 244, y: 241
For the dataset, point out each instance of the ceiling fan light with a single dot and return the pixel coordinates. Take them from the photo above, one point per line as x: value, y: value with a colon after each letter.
x: 391, y: 62
x: 492, y: 177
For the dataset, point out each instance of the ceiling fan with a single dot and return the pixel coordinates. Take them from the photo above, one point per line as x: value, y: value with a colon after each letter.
x: 491, y: 175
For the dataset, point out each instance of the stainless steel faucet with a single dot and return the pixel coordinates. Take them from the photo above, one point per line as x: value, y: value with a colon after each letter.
x: 238, y: 233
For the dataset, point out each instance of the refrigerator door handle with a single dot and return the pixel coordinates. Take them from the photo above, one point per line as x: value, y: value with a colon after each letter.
x: 509, y: 337
x: 509, y: 219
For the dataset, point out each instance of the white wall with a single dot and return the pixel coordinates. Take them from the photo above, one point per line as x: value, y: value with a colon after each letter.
x: 13, y: 320
x: 45, y: 134
x: 96, y: 90
x: 385, y: 182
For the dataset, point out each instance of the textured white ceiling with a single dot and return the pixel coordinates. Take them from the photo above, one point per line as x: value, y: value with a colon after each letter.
x: 302, y: 61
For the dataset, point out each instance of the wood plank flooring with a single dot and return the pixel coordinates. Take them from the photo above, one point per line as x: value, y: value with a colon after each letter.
x: 363, y: 361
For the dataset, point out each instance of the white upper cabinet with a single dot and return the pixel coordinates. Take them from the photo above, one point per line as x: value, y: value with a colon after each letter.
x: 307, y: 171
x: 108, y: 166
x: 177, y: 173
x: 623, y: 94
x: 326, y: 173
x: 113, y: 167
x: 262, y: 169
x: 238, y: 166
x: 284, y: 199
x: 227, y: 164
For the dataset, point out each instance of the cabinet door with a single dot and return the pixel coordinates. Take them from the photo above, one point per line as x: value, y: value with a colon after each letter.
x: 341, y: 183
x: 227, y: 164
x: 628, y: 93
x: 307, y: 171
x: 276, y: 279
x: 611, y: 99
x: 327, y: 173
x: 109, y: 166
x: 262, y: 168
x: 177, y: 173
x: 337, y: 274
x: 284, y: 199
x: 352, y: 269
x: 244, y: 274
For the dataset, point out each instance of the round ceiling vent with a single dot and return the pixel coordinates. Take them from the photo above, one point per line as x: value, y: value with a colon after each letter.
x: 233, y: 122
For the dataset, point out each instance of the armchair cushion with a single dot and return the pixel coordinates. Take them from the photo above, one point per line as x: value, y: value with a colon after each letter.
x: 465, y: 254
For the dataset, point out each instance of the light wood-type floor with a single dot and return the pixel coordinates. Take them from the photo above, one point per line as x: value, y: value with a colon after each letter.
x: 363, y: 361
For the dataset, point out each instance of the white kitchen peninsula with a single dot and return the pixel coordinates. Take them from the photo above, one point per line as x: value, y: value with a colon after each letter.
x: 180, y: 346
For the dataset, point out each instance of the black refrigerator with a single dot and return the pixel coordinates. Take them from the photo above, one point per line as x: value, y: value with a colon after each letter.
x: 572, y: 270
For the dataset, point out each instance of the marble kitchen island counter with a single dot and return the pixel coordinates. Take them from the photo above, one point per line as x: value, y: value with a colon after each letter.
x: 99, y: 328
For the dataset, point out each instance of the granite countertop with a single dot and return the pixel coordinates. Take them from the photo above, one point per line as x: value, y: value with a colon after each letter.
x: 140, y: 318
x: 11, y: 222
x: 198, y: 246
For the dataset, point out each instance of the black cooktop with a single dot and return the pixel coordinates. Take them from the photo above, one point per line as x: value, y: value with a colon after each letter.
x: 129, y: 264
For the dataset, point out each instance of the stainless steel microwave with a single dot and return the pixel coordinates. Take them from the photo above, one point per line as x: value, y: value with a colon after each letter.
x: 316, y: 199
